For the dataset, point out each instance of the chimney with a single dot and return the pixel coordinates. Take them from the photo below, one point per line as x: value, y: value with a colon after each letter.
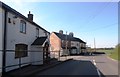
x: 61, y: 31
x: 30, y: 16
x: 71, y: 34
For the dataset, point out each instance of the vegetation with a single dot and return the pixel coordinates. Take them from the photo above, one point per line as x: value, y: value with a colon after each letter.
x: 111, y: 52
x: 108, y: 52
x: 114, y: 54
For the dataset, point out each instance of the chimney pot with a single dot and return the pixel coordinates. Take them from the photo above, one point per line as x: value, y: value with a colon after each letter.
x: 30, y: 16
x: 71, y: 34
x: 61, y: 31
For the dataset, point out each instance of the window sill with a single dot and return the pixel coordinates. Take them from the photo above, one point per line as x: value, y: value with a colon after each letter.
x: 23, y: 32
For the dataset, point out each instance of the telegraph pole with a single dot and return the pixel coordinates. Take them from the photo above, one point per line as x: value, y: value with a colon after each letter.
x: 66, y: 46
x: 94, y: 45
x: 66, y: 42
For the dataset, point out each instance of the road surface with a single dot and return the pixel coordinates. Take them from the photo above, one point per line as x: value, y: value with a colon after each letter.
x: 105, y: 64
x: 85, y: 65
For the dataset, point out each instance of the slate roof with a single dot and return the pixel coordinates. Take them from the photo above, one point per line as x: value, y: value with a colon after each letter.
x: 39, y: 41
x: 7, y: 8
x: 70, y: 38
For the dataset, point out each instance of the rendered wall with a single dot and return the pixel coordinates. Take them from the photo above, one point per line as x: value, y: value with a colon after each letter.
x: 1, y: 36
x: 14, y: 36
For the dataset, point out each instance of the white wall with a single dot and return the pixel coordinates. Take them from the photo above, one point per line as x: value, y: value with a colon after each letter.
x: 36, y: 55
x: 15, y: 37
x: 1, y: 35
x: 77, y: 45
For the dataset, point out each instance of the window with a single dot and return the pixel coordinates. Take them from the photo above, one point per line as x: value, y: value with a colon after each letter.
x: 22, y: 27
x: 37, y: 32
x: 72, y: 43
x: 21, y: 50
x: 77, y: 44
x: 9, y: 20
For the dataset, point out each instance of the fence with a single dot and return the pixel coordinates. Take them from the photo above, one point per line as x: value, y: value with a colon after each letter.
x: 58, y: 55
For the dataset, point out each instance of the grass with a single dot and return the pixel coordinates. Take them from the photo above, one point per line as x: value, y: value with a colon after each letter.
x: 108, y: 52
x: 112, y: 53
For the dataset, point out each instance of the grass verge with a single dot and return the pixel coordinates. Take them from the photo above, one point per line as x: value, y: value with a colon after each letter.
x: 112, y: 53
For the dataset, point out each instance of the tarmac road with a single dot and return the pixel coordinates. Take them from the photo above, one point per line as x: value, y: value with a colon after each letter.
x: 85, y: 65
x: 103, y: 63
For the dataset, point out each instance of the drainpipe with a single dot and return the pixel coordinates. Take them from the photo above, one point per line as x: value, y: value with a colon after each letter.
x: 4, y: 44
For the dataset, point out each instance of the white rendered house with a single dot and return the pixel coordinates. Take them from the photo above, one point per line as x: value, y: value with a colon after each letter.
x: 63, y: 44
x: 21, y: 40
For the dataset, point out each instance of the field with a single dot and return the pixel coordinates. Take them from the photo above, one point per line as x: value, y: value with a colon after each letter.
x: 111, y: 53
x: 108, y: 52
x: 115, y: 54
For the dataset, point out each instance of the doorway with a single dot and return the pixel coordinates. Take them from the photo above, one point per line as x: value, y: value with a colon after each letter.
x: 46, y: 53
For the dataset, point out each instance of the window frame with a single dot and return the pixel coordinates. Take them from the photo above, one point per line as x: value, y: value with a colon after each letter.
x: 23, y: 26
x: 21, y: 50
x: 37, y: 32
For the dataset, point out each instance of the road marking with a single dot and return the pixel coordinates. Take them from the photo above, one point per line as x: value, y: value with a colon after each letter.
x: 96, y: 68
x: 98, y: 73
x: 94, y: 62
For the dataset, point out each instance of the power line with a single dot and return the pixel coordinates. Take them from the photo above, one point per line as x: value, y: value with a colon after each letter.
x: 97, y: 13
x: 101, y: 27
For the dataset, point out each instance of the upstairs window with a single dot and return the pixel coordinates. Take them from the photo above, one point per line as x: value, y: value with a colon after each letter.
x: 22, y: 26
x: 77, y: 44
x: 37, y: 32
x: 21, y: 50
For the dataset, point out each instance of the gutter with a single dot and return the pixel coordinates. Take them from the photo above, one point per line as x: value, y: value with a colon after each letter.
x: 4, y: 44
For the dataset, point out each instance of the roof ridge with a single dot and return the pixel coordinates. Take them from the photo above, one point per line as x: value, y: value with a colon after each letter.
x: 5, y: 6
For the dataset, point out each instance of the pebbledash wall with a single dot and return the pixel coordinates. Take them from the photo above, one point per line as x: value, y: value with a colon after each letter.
x: 14, y: 36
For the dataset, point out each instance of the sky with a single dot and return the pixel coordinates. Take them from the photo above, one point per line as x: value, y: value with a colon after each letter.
x: 88, y: 20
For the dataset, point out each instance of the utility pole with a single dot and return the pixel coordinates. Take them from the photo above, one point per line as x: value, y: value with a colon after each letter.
x: 94, y: 45
x: 66, y: 42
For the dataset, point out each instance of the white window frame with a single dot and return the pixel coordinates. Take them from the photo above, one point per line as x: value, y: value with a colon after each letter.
x: 23, y: 26
x: 37, y: 32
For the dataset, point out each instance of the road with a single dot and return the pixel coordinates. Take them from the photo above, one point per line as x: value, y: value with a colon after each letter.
x: 103, y: 63
x: 85, y: 65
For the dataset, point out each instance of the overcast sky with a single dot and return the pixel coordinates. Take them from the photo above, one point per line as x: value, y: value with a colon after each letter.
x: 87, y: 20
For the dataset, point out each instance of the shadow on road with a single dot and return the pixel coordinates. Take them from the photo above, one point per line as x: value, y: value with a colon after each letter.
x: 72, y: 68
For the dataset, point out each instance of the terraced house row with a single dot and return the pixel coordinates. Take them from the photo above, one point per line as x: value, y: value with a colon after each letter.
x: 66, y: 44
x: 23, y: 42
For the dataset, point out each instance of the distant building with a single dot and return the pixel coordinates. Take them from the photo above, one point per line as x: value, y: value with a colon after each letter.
x: 20, y: 37
x: 66, y: 44
x: 88, y: 49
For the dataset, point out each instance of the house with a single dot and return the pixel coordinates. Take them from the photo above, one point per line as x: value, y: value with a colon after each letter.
x: 83, y: 47
x: 62, y: 44
x: 22, y: 41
